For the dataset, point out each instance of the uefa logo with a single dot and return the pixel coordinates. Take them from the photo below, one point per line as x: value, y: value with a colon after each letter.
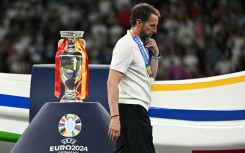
x: 70, y: 125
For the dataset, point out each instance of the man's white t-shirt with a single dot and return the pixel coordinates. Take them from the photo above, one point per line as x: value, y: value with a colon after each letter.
x: 134, y: 88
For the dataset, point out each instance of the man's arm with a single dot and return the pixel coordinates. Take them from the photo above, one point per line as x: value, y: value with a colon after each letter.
x: 151, y: 44
x: 154, y: 66
x: 113, y: 95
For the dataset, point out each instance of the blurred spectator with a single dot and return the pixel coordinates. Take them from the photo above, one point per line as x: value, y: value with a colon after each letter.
x: 196, y: 38
x: 223, y: 66
x: 124, y: 15
x: 190, y: 62
x: 185, y: 35
x: 212, y: 55
x: 177, y: 71
x: 236, y: 43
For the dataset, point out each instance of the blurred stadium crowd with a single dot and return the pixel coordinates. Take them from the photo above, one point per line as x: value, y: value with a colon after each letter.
x: 196, y: 38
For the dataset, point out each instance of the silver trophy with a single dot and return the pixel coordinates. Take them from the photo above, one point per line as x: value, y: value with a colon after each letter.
x: 71, y: 67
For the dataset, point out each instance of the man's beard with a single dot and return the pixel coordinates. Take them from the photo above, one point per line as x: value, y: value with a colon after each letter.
x: 143, y: 36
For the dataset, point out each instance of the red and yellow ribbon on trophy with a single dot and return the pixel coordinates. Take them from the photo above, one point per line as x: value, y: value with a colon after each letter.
x: 84, y: 74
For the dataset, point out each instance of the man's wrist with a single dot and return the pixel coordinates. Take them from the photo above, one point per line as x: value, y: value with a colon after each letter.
x: 156, y: 54
x: 156, y: 57
x: 113, y: 116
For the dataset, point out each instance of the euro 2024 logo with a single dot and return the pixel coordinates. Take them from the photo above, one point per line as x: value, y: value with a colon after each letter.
x: 69, y: 126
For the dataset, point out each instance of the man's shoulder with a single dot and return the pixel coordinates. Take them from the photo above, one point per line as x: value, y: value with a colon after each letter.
x: 126, y: 39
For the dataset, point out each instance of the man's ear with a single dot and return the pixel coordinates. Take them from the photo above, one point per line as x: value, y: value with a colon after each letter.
x: 139, y: 22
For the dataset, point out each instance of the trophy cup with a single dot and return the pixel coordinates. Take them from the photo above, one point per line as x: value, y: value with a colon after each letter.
x: 71, y: 67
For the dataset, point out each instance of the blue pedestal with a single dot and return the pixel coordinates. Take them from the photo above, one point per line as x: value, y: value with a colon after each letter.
x: 43, y: 80
x: 44, y: 134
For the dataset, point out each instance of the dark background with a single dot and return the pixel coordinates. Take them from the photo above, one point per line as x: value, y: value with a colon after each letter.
x: 196, y: 38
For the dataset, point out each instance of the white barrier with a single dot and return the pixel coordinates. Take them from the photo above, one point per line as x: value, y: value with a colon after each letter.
x: 13, y: 87
x: 219, y: 95
x: 180, y: 133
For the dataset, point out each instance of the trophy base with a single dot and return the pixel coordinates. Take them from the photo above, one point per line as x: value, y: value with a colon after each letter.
x: 70, y: 96
x: 43, y: 134
x: 66, y: 99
